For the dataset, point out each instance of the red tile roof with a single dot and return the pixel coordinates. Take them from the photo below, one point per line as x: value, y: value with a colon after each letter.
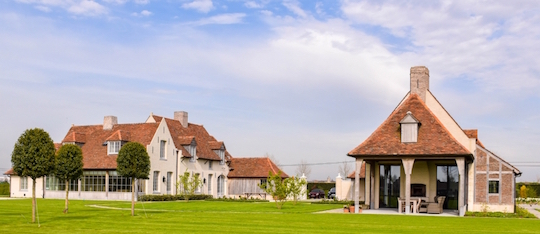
x: 95, y: 151
x: 433, y: 138
x: 362, y: 172
x: 75, y: 137
x: 473, y: 133
x: 10, y: 172
x: 253, y: 168
x: 216, y: 145
x: 181, y: 136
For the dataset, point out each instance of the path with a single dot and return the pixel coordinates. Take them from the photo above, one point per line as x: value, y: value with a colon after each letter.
x: 531, y: 209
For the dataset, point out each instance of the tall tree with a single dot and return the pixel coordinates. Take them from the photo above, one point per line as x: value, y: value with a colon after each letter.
x: 69, y: 166
x: 187, y: 184
x: 33, y: 156
x: 133, y: 161
x: 303, y: 169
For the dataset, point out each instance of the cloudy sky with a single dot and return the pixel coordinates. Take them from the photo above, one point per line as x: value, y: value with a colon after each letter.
x: 299, y: 80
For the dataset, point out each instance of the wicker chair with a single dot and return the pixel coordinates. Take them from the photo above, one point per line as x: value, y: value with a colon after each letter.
x: 436, y: 207
x: 422, y: 206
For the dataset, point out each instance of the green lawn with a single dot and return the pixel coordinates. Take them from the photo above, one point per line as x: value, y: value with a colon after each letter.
x: 233, y: 217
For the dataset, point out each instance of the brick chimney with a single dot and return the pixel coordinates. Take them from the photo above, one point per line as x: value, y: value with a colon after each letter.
x: 109, y: 122
x: 181, y: 116
x: 420, y: 81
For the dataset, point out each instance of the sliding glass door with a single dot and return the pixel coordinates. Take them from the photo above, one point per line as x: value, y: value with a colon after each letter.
x: 389, y: 185
x: 448, y: 185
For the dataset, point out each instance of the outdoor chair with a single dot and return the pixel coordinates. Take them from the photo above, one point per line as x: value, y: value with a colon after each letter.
x: 420, y: 207
x: 436, y: 207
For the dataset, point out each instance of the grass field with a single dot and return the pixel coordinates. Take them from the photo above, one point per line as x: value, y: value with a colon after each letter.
x: 232, y: 217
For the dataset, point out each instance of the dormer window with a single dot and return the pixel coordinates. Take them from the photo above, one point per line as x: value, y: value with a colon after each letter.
x: 113, y: 147
x: 192, y: 149
x: 409, y: 128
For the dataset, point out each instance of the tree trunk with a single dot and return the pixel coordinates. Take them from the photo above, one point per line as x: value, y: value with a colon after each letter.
x: 67, y: 194
x: 132, y: 196
x: 33, y: 200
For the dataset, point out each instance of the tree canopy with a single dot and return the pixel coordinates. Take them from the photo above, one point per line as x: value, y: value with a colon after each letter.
x: 69, y: 166
x: 187, y: 184
x: 33, y: 154
x: 133, y: 161
x: 69, y: 163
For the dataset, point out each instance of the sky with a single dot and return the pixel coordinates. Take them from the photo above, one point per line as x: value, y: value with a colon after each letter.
x: 297, y: 80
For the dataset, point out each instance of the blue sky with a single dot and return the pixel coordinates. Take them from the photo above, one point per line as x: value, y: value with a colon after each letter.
x: 300, y: 80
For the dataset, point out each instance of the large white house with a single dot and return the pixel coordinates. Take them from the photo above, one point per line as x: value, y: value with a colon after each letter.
x: 174, y: 146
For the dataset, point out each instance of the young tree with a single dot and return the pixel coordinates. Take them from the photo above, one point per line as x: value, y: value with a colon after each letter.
x: 303, y: 169
x: 277, y: 188
x: 187, y: 184
x: 33, y: 156
x: 133, y: 161
x: 69, y: 166
x: 297, y: 187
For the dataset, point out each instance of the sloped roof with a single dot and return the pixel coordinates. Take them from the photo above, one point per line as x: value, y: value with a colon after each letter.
x: 433, y: 138
x: 10, y: 172
x: 216, y: 145
x: 473, y: 133
x: 181, y: 135
x: 95, y: 151
x: 75, y: 137
x: 253, y: 168
x: 362, y: 172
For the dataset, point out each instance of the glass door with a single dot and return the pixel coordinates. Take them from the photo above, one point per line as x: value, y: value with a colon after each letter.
x: 389, y: 185
x: 448, y: 185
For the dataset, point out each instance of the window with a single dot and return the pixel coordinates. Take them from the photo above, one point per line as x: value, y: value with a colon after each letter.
x: 210, y: 184
x: 222, y: 156
x: 162, y: 149
x: 263, y: 181
x: 54, y: 184
x: 114, y: 147
x: 155, y: 184
x: 119, y: 183
x: 198, y: 189
x: 210, y: 165
x: 220, y: 185
x: 409, y: 128
x: 169, y: 181
x: 93, y: 181
x: 24, y: 183
x: 493, y: 186
x: 192, y: 149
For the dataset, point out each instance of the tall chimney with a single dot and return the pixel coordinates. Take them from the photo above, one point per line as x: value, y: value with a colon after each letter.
x: 182, y: 117
x: 420, y: 81
x: 109, y: 122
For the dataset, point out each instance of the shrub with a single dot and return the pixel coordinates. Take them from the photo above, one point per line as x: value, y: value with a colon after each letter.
x: 4, y: 188
x: 520, y: 213
x: 173, y: 197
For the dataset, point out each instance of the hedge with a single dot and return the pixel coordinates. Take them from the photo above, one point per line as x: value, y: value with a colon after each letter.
x: 172, y: 197
x: 4, y: 188
x: 321, y: 185
x: 237, y: 200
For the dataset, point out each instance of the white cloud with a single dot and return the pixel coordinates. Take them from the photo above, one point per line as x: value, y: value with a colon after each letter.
x: 87, y: 7
x: 43, y: 8
x: 118, y: 2
x: 199, y: 5
x: 266, y: 12
x: 294, y: 6
x: 146, y: 13
x: 253, y: 4
x: 233, y: 18
x: 142, y: 2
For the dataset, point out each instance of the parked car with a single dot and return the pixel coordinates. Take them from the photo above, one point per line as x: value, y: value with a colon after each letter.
x: 316, y: 193
x: 332, y: 193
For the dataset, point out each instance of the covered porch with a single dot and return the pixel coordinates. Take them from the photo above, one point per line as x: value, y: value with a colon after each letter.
x: 393, y: 182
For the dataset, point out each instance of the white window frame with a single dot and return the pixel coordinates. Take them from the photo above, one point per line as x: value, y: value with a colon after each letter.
x: 162, y: 149
x: 222, y: 156
x: 210, y: 184
x: 113, y: 147
x: 155, y: 182
x: 24, y: 183
x: 193, y: 151
x: 210, y: 164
